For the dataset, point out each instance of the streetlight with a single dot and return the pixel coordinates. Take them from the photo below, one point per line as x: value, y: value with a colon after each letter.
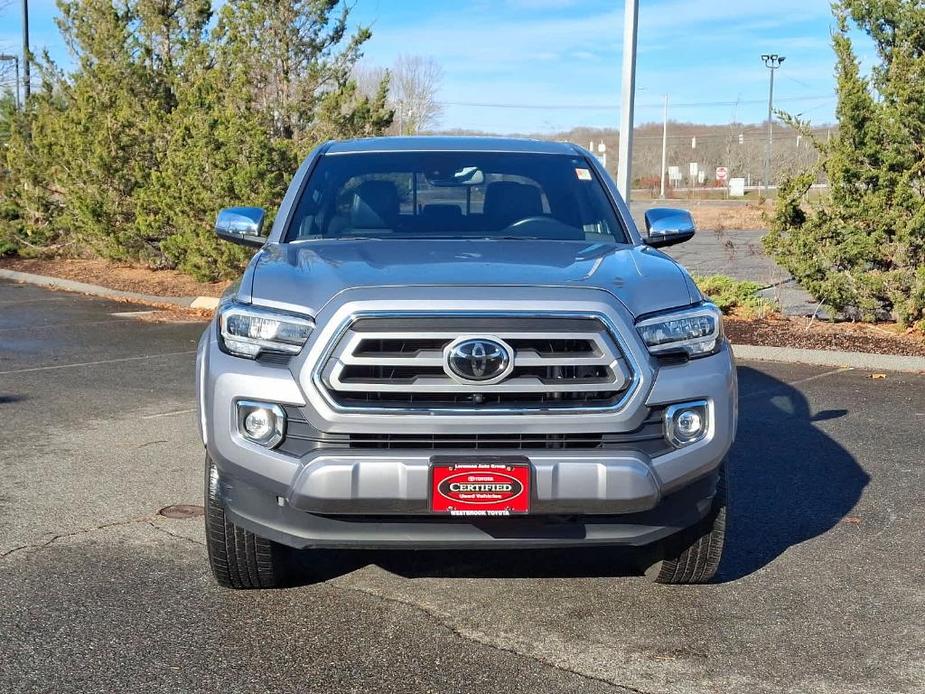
x: 628, y: 98
x: 6, y: 57
x: 661, y: 183
x: 26, y: 79
x: 772, y: 62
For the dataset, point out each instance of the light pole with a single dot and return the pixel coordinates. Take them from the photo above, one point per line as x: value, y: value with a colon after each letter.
x: 628, y: 88
x: 25, y: 51
x: 772, y: 62
x: 664, y: 152
x: 5, y: 57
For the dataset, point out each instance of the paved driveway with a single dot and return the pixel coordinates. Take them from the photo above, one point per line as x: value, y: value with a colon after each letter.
x: 822, y: 589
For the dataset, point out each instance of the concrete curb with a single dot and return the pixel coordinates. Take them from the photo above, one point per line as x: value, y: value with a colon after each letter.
x: 821, y: 357
x: 196, y: 302
x: 855, y: 360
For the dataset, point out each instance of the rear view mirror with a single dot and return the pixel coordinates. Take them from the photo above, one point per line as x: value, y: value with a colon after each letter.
x: 242, y: 225
x: 466, y: 176
x: 666, y: 226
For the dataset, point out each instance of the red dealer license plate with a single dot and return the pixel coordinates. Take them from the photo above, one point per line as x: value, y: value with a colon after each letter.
x: 480, y: 487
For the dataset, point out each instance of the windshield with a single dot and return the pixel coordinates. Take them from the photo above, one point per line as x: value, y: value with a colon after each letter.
x: 455, y: 195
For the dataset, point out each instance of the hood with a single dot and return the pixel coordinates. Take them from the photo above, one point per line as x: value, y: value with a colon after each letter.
x: 305, y: 276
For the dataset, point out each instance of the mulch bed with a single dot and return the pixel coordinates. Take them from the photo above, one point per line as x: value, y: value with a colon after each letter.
x: 128, y: 278
x: 804, y: 333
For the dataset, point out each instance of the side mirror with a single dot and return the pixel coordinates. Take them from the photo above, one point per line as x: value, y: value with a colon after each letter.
x: 243, y: 225
x: 667, y: 226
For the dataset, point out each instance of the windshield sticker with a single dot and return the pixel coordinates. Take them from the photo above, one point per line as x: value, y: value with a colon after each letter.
x: 583, y: 174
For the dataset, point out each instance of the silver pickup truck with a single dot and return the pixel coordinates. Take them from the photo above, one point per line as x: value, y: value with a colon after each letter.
x: 449, y: 342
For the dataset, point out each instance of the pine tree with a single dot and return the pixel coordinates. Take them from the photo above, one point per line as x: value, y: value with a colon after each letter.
x: 169, y: 117
x: 861, y: 248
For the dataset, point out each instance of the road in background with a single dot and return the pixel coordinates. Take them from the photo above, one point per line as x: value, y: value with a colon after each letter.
x: 822, y: 588
x: 737, y: 253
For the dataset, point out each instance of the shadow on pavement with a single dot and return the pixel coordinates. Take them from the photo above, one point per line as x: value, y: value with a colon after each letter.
x: 788, y: 482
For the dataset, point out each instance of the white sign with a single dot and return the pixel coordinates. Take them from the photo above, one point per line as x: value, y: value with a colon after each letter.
x: 736, y: 187
x: 722, y: 173
x: 674, y: 173
x: 694, y: 168
x: 701, y: 176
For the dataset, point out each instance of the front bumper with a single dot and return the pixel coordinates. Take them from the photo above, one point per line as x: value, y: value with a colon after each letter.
x: 256, y: 510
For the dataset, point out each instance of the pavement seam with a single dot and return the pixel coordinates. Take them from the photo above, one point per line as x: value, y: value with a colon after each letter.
x: 471, y: 637
x: 72, y: 324
x: 172, y: 413
x: 83, y: 531
x: 54, y: 367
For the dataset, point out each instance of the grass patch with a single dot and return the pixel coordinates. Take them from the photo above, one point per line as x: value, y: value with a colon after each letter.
x: 735, y: 297
x: 720, y: 218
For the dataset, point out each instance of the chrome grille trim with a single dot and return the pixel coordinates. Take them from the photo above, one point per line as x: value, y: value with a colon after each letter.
x: 609, y: 352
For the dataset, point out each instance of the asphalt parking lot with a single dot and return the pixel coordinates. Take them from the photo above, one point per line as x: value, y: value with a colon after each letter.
x: 822, y: 588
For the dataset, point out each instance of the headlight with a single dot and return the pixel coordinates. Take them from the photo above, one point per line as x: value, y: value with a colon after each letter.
x: 247, y: 331
x: 697, y: 331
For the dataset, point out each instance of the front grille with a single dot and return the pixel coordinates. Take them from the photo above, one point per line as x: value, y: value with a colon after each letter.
x: 302, y: 438
x: 559, y: 363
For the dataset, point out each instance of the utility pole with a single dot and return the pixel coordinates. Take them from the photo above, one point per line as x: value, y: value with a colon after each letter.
x: 772, y: 62
x: 625, y: 163
x: 664, y: 152
x: 25, y: 52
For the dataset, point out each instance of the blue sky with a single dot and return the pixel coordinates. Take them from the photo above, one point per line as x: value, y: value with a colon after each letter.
x: 562, y: 57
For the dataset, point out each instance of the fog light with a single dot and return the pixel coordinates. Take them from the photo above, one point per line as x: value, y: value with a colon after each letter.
x: 258, y: 424
x: 686, y: 423
x: 690, y: 423
x: 263, y: 423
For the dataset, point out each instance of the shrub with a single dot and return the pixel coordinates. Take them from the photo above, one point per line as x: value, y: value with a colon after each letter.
x: 735, y: 296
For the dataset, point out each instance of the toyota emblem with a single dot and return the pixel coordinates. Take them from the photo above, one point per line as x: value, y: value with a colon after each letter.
x: 478, y: 360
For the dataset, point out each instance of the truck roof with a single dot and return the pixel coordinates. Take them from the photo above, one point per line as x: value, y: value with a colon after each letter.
x: 450, y: 143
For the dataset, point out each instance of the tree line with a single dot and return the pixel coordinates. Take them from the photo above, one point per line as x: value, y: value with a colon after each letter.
x: 174, y: 109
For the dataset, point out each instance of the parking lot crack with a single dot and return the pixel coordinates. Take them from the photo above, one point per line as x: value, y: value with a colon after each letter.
x: 469, y: 636
x: 174, y: 535
x: 60, y: 536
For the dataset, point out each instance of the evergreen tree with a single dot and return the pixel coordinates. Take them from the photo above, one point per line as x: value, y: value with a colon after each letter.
x: 168, y: 117
x: 861, y: 248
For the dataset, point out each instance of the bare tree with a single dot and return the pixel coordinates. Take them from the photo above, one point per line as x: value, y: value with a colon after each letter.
x: 367, y: 76
x: 415, y: 84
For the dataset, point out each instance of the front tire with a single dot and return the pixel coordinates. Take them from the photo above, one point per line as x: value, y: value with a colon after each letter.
x: 238, y: 558
x: 693, y: 555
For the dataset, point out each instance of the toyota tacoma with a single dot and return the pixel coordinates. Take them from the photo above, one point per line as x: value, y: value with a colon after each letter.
x: 451, y: 342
